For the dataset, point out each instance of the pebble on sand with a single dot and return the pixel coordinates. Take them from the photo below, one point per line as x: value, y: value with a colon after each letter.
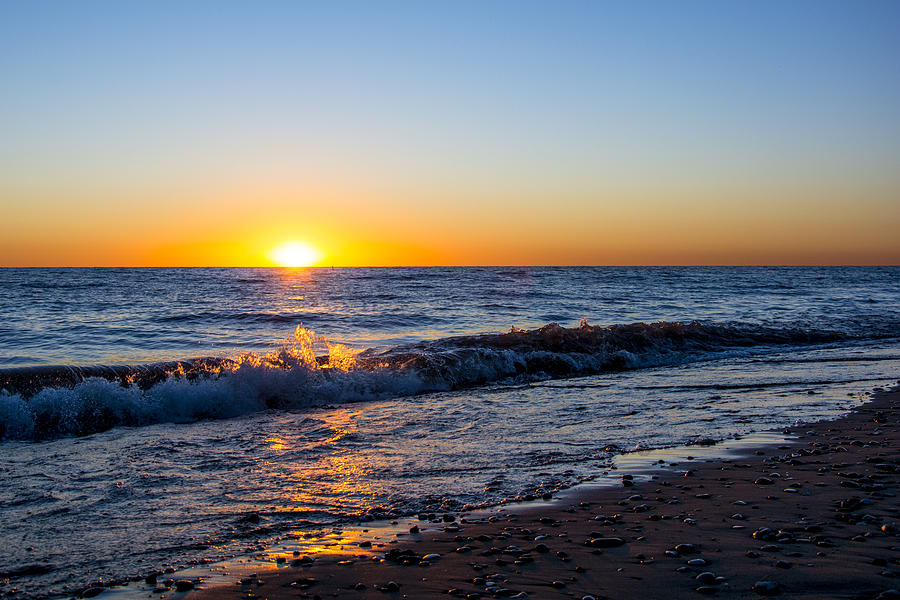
x: 767, y: 588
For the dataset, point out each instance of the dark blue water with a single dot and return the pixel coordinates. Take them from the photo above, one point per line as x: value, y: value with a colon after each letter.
x: 334, y: 395
x: 116, y: 316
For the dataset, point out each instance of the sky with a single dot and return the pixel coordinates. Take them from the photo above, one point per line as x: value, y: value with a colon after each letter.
x: 450, y: 133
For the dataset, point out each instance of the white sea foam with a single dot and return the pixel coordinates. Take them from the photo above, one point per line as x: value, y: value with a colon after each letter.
x: 293, y: 377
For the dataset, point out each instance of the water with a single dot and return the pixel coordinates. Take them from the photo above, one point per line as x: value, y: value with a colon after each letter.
x: 422, y: 402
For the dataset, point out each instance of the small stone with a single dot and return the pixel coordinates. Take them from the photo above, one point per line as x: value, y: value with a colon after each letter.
x: 304, y: 583
x: 610, y: 542
x: 430, y: 557
x: 767, y: 588
x: 184, y: 585
x: 697, y: 562
x: 763, y: 481
x: 389, y: 587
x: 707, y: 590
x: 91, y: 592
x: 707, y: 578
x: 784, y: 564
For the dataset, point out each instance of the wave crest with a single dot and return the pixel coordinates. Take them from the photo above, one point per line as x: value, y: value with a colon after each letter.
x: 307, y: 370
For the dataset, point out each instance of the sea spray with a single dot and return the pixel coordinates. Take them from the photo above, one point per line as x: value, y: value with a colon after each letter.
x: 48, y: 402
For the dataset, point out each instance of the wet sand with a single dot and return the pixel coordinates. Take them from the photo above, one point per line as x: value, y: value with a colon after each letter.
x: 816, y: 517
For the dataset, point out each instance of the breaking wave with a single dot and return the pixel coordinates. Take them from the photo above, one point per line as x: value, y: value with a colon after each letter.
x: 306, y: 370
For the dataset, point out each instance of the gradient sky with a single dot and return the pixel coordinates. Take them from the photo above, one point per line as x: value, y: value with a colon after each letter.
x: 408, y: 133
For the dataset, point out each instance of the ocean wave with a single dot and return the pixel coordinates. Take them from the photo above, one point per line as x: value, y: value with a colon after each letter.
x: 306, y: 370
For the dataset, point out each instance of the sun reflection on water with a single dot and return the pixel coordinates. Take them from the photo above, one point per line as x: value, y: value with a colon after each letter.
x: 276, y: 443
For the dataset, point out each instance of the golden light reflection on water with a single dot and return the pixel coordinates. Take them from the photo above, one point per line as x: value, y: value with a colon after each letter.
x: 331, y: 542
x: 276, y: 443
x: 315, y: 471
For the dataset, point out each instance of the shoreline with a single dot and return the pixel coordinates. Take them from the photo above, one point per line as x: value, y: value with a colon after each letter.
x: 815, y: 516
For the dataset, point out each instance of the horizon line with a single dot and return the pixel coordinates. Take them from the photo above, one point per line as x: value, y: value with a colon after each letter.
x: 445, y: 266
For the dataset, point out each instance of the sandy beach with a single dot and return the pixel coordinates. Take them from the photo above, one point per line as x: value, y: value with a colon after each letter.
x: 816, y: 517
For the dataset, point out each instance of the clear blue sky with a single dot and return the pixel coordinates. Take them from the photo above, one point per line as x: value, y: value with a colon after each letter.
x: 600, y: 111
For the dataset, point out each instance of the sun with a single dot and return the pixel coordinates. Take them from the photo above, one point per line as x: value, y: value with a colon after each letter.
x: 295, y: 254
